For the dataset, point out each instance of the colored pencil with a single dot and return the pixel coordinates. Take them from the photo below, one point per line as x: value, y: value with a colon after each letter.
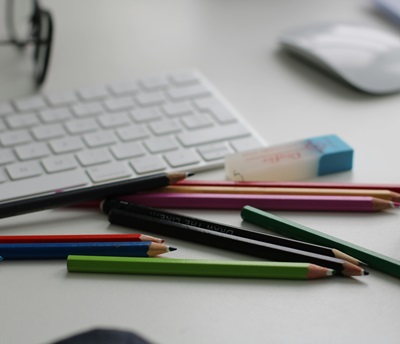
x: 62, y: 250
x: 266, y: 202
x: 383, y: 194
x: 278, y: 224
x: 198, y: 268
x: 329, y: 185
x: 14, y: 239
x: 109, y: 204
x: 69, y: 197
x: 231, y: 242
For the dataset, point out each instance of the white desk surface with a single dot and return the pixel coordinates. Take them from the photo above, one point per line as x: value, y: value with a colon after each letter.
x: 234, y: 43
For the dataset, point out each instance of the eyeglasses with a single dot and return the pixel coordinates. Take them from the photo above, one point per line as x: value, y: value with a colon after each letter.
x: 28, y: 23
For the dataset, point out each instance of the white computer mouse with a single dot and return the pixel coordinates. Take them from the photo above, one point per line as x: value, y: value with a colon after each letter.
x: 365, y: 57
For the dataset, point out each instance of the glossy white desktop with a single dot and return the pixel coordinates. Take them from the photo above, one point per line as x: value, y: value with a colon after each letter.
x: 234, y: 43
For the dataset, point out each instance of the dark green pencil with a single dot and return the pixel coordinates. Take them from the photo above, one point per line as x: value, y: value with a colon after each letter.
x: 278, y: 224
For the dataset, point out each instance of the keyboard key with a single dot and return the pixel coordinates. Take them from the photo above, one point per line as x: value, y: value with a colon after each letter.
x: 125, y: 87
x: 149, y: 99
x: 133, y: 132
x: 109, y: 172
x: 30, y: 104
x: 66, y: 145
x: 16, y: 137
x: 94, y: 157
x: 118, y: 104
x: 87, y: 109
x: 99, y: 139
x: 114, y: 120
x: 93, y: 92
x: 127, y: 150
x: 32, y: 151
x: 214, y: 151
x: 182, y: 158
x: 81, y: 126
x: 197, y: 121
x: 177, y: 109
x: 183, y: 78
x: 189, y: 92
x: 55, y: 115
x: 24, y: 170
x: 154, y: 83
x: 48, y: 131
x: 214, y: 134
x: 165, y: 127
x: 146, y: 115
x: 148, y: 164
x: 19, y: 121
x: 43, y: 184
x: 62, y: 98
x: 161, y: 144
x: 59, y: 163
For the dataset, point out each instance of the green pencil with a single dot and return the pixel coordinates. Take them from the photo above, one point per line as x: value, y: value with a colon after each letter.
x: 278, y: 224
x: 197, y: 267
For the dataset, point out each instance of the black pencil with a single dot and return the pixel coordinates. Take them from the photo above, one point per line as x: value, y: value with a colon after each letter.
x: 66, y: 198
x: 109, y: 204
x: 231, y: 242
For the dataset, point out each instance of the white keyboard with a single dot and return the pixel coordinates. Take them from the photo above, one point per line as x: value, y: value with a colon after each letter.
x: 104, y: 133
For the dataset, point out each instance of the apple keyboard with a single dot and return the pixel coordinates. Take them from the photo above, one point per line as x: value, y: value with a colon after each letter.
x: 103, y: 133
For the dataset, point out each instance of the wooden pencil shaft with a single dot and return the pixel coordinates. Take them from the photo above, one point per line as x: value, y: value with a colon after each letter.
x: 62, y: 250
x: 4, y: 239
x: 190, y: 267
x: 216, y: 227
x: 70, y: 197
x: 221, y: 240
x: 383, y: 194
x: 266, y: 202
x: 375, y: 186
x: 275, y: 223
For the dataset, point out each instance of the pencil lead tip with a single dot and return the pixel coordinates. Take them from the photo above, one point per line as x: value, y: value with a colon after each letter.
x: 189, y: 174
x: 365, y: 273
x: 170, y: 248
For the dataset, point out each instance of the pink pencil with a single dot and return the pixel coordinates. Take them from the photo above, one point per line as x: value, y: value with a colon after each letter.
x: 265, y: 202
x: 374, y: 186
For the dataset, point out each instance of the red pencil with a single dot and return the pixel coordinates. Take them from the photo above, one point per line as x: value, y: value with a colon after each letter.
x: 14, y: 239
x: 373, y: 186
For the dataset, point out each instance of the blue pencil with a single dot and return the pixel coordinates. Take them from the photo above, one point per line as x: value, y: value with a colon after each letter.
x: 63, y: 250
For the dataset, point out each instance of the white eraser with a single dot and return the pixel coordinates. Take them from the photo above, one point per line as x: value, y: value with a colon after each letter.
x: 297, y: 160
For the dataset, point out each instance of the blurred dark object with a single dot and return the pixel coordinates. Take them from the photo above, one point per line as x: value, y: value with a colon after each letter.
x: 104, y: 336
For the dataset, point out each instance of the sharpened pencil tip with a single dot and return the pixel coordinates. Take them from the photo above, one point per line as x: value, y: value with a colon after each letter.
x: 365, y: 273
x: 189, y: 174
x: 170, y: 248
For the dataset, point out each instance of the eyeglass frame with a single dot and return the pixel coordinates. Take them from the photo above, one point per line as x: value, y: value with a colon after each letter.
x: 36, y: 18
